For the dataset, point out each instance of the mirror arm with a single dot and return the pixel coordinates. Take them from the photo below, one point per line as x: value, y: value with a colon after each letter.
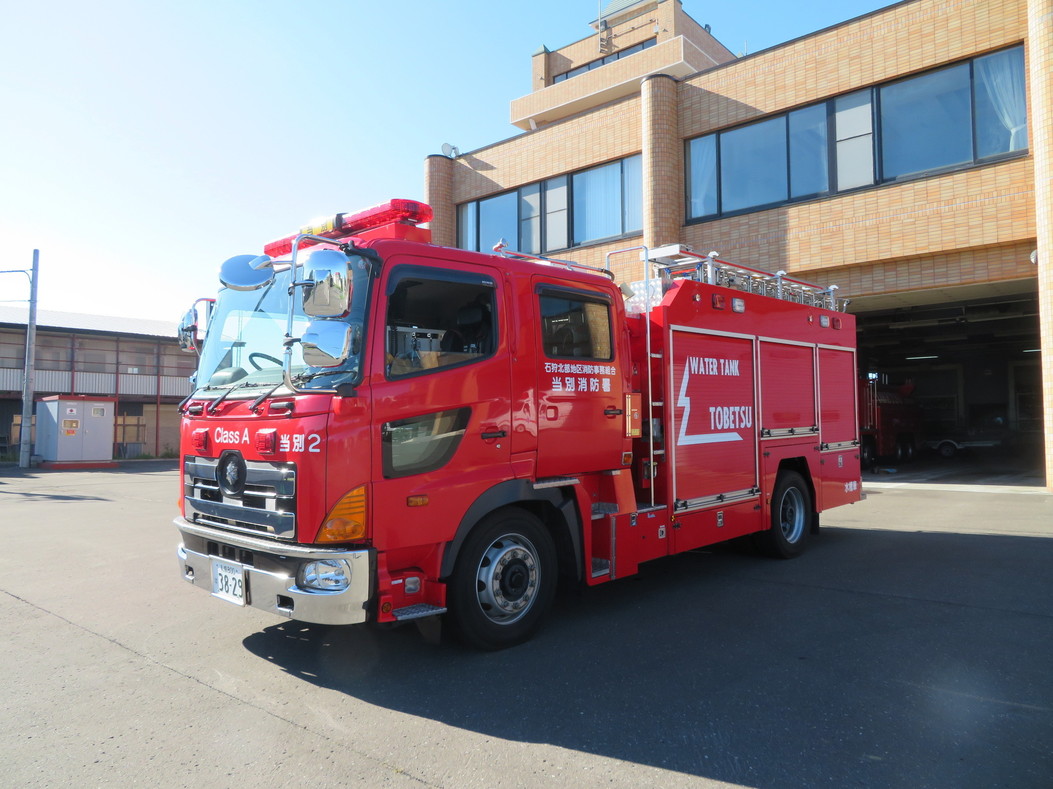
x: 368, y: 254
x: 295, y: 281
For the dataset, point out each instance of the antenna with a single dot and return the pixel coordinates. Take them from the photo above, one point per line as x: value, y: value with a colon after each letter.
x: 450, y: 151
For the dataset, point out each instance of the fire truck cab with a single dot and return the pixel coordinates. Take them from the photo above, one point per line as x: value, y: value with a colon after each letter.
x: 385, y: 430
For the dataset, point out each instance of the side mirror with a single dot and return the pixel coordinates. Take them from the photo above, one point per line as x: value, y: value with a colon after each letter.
x: 326, y: 343
x: 246, y: 272
x: 189, y: 331
x: 327, y: 288
x: 187, y: 334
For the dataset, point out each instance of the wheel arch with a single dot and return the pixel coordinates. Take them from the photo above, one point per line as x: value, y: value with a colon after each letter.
x: 800, y: 466
x: 554, y: 507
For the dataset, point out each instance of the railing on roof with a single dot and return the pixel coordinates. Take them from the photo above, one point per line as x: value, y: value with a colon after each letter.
x: 501, y: 248
x: 677, y: 261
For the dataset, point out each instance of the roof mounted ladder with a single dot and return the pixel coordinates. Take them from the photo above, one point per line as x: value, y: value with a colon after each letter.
x: 678, y: 261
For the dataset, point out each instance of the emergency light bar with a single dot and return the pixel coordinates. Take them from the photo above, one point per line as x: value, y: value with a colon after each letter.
x: 340, y: 226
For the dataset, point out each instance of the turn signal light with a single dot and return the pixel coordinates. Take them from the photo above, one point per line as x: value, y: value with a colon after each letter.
x: 267, y: 441
x: 347, y: 520
x: 199, y: 441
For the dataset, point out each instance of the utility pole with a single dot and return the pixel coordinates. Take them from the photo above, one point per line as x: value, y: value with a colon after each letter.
x: 25, y: 434
x: 25, y: 431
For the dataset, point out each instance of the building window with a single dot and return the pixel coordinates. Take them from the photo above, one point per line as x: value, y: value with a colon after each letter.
x: 753, y: 165
x: 557, y: 210
x: 702, y: 176
x: 809, y: 152
x: 854, y: 132
x: 925, y: 123
x: 561, y: 212
x: 499, y: 219
x: 624, y: 53
x: 1000, y: 102
x: 956, y: 116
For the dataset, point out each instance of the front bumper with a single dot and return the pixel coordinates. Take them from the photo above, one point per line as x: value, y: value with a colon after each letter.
x: 270, y: 574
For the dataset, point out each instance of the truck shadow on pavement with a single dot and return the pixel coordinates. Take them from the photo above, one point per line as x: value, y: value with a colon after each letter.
x: 878, y: 658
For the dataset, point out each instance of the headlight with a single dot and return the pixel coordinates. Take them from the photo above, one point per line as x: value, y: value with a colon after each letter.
x: 326, y: 575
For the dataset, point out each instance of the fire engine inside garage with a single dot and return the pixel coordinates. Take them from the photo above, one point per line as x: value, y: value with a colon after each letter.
x: 959, y: 373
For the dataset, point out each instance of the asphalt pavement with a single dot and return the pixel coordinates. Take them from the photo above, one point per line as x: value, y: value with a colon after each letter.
x: 909, y: 647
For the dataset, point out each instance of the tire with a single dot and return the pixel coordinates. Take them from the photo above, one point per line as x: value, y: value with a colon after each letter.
x: 504, y: 580
x: 907, y: 442
x: 867, y: 453
x: 947, y: 450
x: 791, y: 517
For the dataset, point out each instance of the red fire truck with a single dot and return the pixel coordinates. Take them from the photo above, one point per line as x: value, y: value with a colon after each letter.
x: 385, y: 430
x: 890, y: 423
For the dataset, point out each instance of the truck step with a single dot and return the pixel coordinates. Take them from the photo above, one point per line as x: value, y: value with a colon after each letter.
x: 600, y: 567
x: 416, y: 611
x: 601, y: 509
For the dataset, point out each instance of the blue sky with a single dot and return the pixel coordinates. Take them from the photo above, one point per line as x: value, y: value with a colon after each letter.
x: 142, y: 143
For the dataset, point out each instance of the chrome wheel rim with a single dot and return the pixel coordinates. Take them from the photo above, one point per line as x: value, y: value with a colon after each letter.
x: 507, y: 579
x: 792, y: 516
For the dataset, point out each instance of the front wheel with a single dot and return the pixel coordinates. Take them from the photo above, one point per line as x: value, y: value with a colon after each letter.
x: 791, y: 517
x: 504, y: 580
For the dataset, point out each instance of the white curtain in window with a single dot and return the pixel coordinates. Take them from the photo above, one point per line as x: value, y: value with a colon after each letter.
x: 597, y: 203
x: 632, y: 194
x: 703, y: 168
x: 1002, y: 76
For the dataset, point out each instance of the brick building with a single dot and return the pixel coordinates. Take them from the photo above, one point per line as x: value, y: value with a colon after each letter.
x: 905, y: 156
x: 135, y: 362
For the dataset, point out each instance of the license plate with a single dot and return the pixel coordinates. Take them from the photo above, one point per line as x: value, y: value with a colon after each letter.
x: 228, y: 582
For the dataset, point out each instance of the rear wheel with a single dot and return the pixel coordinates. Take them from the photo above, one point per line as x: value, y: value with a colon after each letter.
x: 504, y: 580
x: 907, y: 444
x: 867, y: 453
x: 791, y: 517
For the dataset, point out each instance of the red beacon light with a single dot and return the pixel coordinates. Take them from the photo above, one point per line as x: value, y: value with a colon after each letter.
x: 406, y: 213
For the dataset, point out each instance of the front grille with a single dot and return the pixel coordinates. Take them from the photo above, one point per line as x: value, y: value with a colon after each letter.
x: 266, y: 504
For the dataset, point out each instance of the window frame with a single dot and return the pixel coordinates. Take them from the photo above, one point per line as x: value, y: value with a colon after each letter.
x: 470, y: 210
x: 479, y: 279
x: 584, y: 68
x: 879, y: 177
x: 585, y: 297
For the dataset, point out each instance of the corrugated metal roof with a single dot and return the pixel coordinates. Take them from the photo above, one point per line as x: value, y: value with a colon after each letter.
x: 75, y: 321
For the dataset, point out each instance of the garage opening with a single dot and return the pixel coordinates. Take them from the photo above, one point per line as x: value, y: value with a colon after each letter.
x: 962, y: 368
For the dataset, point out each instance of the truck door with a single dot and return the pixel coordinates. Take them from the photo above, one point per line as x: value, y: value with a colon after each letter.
x: 581, y: 390
x: 441, y: 412
x: 713, y: 428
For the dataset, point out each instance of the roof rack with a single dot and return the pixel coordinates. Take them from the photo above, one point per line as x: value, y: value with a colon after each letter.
x: 678, y: 261
x: 501, y: 248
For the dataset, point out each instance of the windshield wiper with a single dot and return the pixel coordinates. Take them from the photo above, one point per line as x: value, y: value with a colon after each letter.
x: 214, y: 405
x: 264, y: 396
x: 305, y: 377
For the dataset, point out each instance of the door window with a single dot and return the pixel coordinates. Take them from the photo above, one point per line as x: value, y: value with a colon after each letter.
x: 575, y: 327
x: 438, y: 319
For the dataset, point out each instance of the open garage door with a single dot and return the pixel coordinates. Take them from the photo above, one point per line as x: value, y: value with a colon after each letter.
x: 966, y: 357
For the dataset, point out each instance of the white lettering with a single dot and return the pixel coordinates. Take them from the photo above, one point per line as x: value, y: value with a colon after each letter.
x: 730, y: 417
x: 223, y: 436
x: 705, y: 365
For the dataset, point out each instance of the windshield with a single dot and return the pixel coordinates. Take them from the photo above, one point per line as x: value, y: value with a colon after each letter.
x: 244, y: 344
